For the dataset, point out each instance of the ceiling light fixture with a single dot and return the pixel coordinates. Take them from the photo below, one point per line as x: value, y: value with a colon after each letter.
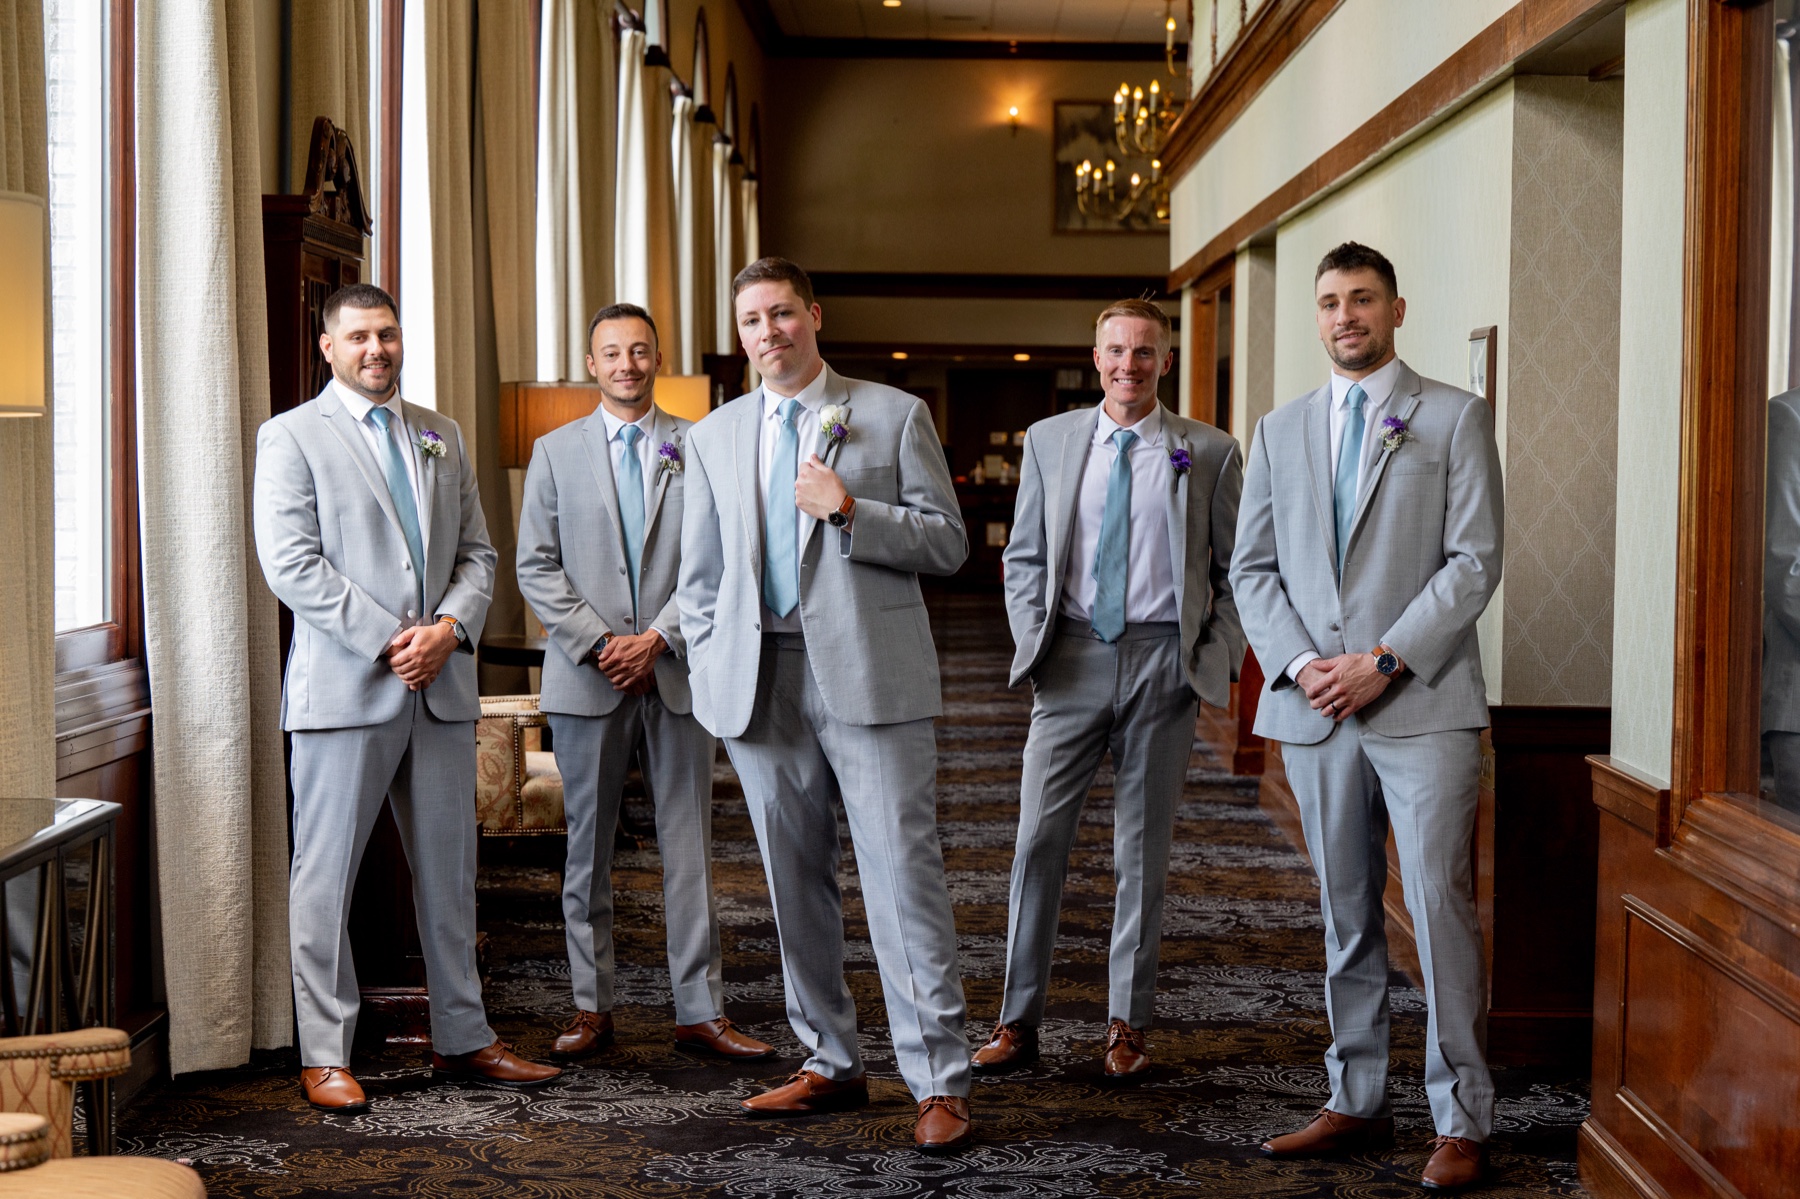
x: 899, y: 355
x: 890, y: 3
x: 1142, y: 123
x: 1021, y: 357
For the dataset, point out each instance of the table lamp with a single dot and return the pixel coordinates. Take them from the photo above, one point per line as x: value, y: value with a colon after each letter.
x: 24, y: 285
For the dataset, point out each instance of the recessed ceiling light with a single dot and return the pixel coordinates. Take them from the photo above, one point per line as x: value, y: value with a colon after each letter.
x: 890, y: 3
x: 900, y: 355
x: 1021, y: 357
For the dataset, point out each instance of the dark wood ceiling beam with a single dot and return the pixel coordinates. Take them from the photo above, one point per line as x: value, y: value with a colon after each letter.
x: 956, y: 285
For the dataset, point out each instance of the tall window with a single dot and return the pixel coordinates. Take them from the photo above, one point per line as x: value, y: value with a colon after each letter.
x: 75, y: 43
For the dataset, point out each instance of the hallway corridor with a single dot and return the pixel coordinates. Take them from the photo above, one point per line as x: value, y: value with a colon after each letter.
x: 1237, y: 1043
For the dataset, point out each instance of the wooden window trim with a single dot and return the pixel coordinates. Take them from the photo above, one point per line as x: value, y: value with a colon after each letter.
x: 1712, y: 820
x: 1200, y: 341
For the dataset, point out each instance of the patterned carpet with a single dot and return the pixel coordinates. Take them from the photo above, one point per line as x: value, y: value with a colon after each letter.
x: 1239, y: 1034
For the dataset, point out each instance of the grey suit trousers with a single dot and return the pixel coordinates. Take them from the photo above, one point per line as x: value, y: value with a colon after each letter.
x: 594, y: 753
x: 1350, y: 787
x: 797, y: 762
x: 1089, y: 697
x: 426, y: 769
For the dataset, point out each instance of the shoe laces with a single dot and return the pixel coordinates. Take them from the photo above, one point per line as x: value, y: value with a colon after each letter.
x: 582, y: 1020
x: 1013, y: 1028
x: 1463, y: 1145
x: 947, y: 1102
x: 328, y: 1071
x: 1119, y: 1031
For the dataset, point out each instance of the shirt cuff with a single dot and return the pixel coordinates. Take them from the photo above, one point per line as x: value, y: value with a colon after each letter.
x: 1299, y: 664
x: 660, y: 633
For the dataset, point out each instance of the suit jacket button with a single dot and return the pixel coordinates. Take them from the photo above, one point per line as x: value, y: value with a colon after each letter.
x: 621, y: 570
x: 1334, y: 628
x: 629, y: 619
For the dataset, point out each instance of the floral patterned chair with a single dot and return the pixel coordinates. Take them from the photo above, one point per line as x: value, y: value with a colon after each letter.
x: 518, y: 790
x: 37, y: 1083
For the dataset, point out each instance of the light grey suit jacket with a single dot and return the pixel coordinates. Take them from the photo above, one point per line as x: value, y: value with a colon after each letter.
x: 1423, y: 560
x: 572, y: 562
x: 1781, y: 570
x: 1202, y: 509
x: 860, y: 606
x: 332, y: 550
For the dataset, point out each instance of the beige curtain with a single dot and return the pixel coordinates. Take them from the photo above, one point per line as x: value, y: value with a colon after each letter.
x: 210, y: 631
x: 27, y: 504
x: 644, y: 239
x: 509, y: 130
x: 690, y: 294
x: 577, y: 95
x: 725, y: 247
x: 750, y: 217
x: 330, y: 78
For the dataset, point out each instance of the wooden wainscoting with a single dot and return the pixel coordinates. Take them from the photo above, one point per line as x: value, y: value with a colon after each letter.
x: 1536, y: 853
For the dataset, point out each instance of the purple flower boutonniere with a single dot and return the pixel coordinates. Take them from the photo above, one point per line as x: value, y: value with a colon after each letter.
x: 1393, y: 433
x: 834, y: 422
x: 1181, y: 461
x: 431, y: 445
x: 669, y: 454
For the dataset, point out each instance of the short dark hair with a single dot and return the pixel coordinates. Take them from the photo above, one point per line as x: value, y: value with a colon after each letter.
x: 357, y: 295
x: 619, y: 312
x: 1354, y: 256
x: 774, y: 270
x: 1139, y: 309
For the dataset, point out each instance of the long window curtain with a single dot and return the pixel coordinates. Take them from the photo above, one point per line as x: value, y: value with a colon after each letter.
x: 750, y: 217
x: 697, y: 286
x: 330, y: 76
x: 209, y: 621
x: 724, y: 222
x: 577, y: 102
x: 644, y: 239
x: 690, y: 293
x: 27, y: 490
x: 1782, y: 249
x: 510, y: 149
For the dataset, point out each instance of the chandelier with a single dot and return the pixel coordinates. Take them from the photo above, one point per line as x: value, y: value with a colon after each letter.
x: 1142, y: 123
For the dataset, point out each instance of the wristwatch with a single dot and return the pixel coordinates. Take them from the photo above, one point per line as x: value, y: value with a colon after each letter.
x: 600, y: 646
x: 845, y: 511
x: 462, y: 637
x: 1386, y: 661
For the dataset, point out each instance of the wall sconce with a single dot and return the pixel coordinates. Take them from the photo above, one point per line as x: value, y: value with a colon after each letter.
x: 24, y: 289
x: 1012, y: 117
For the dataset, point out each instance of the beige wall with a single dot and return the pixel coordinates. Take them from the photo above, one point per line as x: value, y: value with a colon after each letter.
x: 910, y: 165
x: 1253, y: 340
x: 1655, y: 158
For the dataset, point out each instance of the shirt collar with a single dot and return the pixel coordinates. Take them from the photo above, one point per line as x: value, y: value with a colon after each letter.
x: 1377, y: 387
x: 1149, y: 430
x: 359, y: 404
x: 811, y: 397
x: 614, y: 424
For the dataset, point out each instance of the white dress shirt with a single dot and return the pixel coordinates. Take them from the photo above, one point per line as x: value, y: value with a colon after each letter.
x: 647, y: 461
x: 811, y: 441
x: 358, y: 405
x: 1379, y: 389
x: 1150, y: 589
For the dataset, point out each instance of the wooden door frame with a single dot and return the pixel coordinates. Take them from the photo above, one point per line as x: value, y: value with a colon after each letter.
x: 1200, y: 339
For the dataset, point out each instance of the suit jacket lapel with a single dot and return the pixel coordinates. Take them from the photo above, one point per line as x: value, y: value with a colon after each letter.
x: 1064, y: 498
x: 343, y: 425
x: 599, y: 452
x: 1320, y: 466
x: 1177, y: 502
x: 1406, y: 390
x: 427, y: 497
x: 836, y: 392
x: 748, y: 456
x: 662, y: 432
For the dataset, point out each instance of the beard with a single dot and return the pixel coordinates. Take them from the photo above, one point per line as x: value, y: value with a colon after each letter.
x: 1374, y: 350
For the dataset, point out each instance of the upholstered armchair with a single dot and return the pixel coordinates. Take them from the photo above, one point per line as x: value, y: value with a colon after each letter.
x: 37, y: 1084
x: 518, y: 790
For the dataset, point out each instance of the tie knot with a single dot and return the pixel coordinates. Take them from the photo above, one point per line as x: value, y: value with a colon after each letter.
x: 381, y: 416
x: 1124, y: 439
x: 1356, y: 397
x: 789, y: 410
x: 630, y: 433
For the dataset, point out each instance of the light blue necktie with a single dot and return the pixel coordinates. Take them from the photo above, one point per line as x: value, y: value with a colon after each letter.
x: 1349, y: 468
x: 1113, y: 557
x: 406, y: 504
x: 781, y: 566
x: 631, y: 507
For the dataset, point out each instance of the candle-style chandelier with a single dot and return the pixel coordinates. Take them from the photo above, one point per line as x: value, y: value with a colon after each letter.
x: 1142, y: 122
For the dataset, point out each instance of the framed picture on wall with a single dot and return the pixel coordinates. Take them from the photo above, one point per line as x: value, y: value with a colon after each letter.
x: 1084, y: 133
x: 1484, y: 364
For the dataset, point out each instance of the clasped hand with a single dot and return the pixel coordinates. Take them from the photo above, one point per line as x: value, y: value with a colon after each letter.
x: 628, y: 659
x: 818, y: 491
x: 1342, y: 686
x: 418, y: 653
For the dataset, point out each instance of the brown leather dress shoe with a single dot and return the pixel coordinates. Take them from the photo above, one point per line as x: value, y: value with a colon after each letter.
x: 943, y: 1124
x: 1456, y: 1163
x: 1009, y: 1047
x: 805, y: 1093
x: 587, y: 1034
x: 1330, y: 1133
x: 1127, y: 1058
x: 332, y: 1089
x: 720, y: 1038
x: 496, y: 1064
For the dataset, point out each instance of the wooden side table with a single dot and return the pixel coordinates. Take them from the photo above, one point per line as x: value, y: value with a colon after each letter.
x: 47, y: 846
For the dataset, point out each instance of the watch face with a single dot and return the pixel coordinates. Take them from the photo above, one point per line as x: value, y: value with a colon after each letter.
x: 838, y: 519
x: 1386, y: 663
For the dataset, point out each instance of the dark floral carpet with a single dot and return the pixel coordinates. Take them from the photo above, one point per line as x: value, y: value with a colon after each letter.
x: 1238, y: 1039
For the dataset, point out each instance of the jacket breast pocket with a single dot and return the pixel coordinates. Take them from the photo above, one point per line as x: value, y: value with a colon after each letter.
x: 1415, y: 467
x: 449, y: 478
x: 871, y: 482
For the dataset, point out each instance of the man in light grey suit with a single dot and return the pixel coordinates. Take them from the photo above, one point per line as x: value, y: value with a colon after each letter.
x: 599, y: 543
x: 1121, y: 609
x: 1368, y: 544
x: 813, y: 505
x: 369, y: 527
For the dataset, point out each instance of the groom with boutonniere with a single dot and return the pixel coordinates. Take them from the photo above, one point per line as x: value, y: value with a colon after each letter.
x: 813, y: 506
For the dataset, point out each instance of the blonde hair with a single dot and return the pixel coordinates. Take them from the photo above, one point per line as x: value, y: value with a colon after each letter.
x: 1138, y: 309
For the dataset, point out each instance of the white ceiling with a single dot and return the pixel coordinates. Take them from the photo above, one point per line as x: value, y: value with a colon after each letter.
x: 983, y: 20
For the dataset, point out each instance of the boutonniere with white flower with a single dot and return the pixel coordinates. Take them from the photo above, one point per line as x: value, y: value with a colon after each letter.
x: 669, y: 457
x: 834, y: 424
x: 1394, y: 434
x: 1181, y: 462
x: 431, y: 445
